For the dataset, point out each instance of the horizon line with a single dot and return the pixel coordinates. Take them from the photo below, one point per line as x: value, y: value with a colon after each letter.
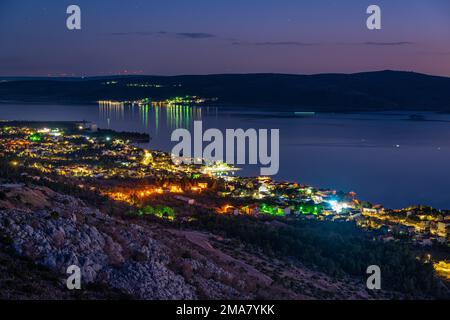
x: 63, y: 76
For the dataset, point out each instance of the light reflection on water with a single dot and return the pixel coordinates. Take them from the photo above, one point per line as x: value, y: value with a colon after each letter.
x: 150, y: 116
x: 385, y: 158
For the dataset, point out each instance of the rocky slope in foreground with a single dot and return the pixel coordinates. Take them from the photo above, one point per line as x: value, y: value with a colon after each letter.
x: 43, y: 232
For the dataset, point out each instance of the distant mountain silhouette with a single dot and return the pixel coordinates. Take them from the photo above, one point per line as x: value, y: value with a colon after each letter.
x: 369, y: 91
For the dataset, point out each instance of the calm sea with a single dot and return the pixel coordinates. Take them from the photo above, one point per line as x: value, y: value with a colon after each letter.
x: 388, y: 158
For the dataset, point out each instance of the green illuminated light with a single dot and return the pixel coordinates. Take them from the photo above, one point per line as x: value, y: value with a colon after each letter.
x: 35, y: 137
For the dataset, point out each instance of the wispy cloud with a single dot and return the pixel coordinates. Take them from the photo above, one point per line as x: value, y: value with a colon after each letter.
x: 395, y: 43
x: 274, y: 43
x: 186, y: 35
x: 134, y: 33
x: 196, y: 35
x: 237, y: 42
x: 309, y: 44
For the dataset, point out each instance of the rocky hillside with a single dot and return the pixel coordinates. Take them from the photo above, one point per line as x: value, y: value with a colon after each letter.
x: 43, y: 232
x: 359, y: 92
x: 58, y: 231
x: 22, y: 279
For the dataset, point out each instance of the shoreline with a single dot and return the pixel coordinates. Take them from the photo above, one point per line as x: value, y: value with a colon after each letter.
x: 85, y: 127
x: 140, y: 138
x: 251, y: 107
x: 137, y: 139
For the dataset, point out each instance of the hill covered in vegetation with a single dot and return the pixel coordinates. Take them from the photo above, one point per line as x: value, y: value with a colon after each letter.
x: 370, y: 91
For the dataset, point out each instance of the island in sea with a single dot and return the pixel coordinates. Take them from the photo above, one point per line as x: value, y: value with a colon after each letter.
x: 359, y: 92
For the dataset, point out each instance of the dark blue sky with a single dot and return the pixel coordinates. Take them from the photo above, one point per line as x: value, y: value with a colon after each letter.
x: 206, y: 36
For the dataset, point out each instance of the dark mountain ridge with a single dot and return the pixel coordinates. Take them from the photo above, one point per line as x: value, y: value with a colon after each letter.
x: 368, y: 91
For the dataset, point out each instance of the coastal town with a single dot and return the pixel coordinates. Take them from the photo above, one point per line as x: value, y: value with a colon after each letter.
x: 148, y: 183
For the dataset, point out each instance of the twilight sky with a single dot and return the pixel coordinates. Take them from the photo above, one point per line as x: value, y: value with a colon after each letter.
x: 169, y: 37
